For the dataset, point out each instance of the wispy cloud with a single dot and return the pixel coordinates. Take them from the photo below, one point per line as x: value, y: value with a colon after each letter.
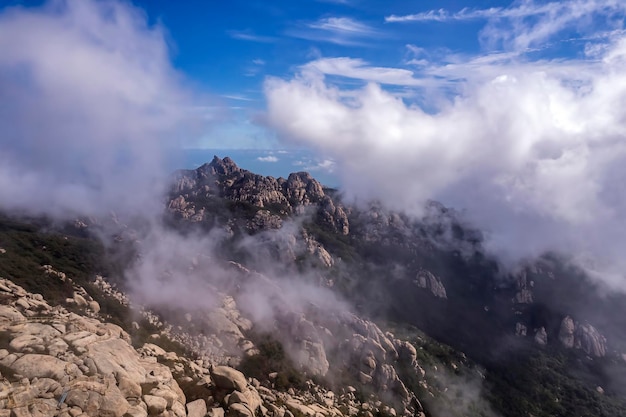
x: 248, y: 35
x: 237, y: 97
x: 359, y: 69
x: 346, y: 2
x: 338, y: 30
x: 344, y: 25
x: 525, y: 9
x: 269, y: 158
x: 529, y: 23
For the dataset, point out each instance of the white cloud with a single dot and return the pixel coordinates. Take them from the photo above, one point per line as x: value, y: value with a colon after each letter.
x: 361, y: 70
x: 535, y: 152
x: 343, y: 25
x: 248, y: 35
x: 327, y: 165
x: 269, y: 158
x: 237, y: 97
x: 338, y: 30
x: 525, y: 24
x: 89, y: 100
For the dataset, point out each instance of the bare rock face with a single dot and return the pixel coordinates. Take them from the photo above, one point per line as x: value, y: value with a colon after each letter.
x: 520, y: 329
x: 524, y: 293
x: 582, y: 336
x: 334, y: 215
x: 590, y: 340
x: 566, y: 332
x: 425, y: 279
x: 541, y: 336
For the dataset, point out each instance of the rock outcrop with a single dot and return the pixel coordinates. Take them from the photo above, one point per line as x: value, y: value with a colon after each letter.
x: 427, y: 280
x: 222, y: 178
x: 582, y: 336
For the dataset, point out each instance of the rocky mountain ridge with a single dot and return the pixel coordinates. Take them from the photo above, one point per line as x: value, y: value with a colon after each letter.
x: 275, y: 201
x: 538, y: 353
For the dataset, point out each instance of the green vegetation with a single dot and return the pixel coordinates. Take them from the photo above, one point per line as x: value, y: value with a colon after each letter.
x: 551, y: 382
x: 272, y: 358
x: 29, y: 245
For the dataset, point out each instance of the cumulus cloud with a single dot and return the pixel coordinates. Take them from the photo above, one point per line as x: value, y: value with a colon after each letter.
x: 534, y: 152
x: 88, y: 99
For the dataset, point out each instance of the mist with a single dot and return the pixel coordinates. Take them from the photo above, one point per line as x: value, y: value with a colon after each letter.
x: 89, y: 103
x: 530, y: 151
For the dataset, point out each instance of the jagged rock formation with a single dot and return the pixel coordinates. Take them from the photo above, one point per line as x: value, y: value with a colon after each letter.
x: 582, y: 336
x: 427, y: 280
x: 331, y: 232
x: 524, y: 286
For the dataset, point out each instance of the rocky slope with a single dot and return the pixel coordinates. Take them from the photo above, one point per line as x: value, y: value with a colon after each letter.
x: 64, y: 358
x: 57, y: 362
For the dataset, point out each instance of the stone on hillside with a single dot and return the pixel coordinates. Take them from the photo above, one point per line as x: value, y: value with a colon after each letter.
x: 116, y: 357
x: 27, y: 342
x: 216, y: 412
x: 10, y: 314
x: 113, y: 403
x: 137, y: 411
x: 239, y: 410
x: 228, y: 378
x: 44, y: 366
x: 196, y: 408
x: 156, y: 405
x: 129, y: 388
x: 80, y: 300
x: 94, y: 306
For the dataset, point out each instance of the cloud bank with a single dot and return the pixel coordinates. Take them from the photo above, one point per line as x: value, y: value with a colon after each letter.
x: 534, y: 152
x: 88, y: 102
